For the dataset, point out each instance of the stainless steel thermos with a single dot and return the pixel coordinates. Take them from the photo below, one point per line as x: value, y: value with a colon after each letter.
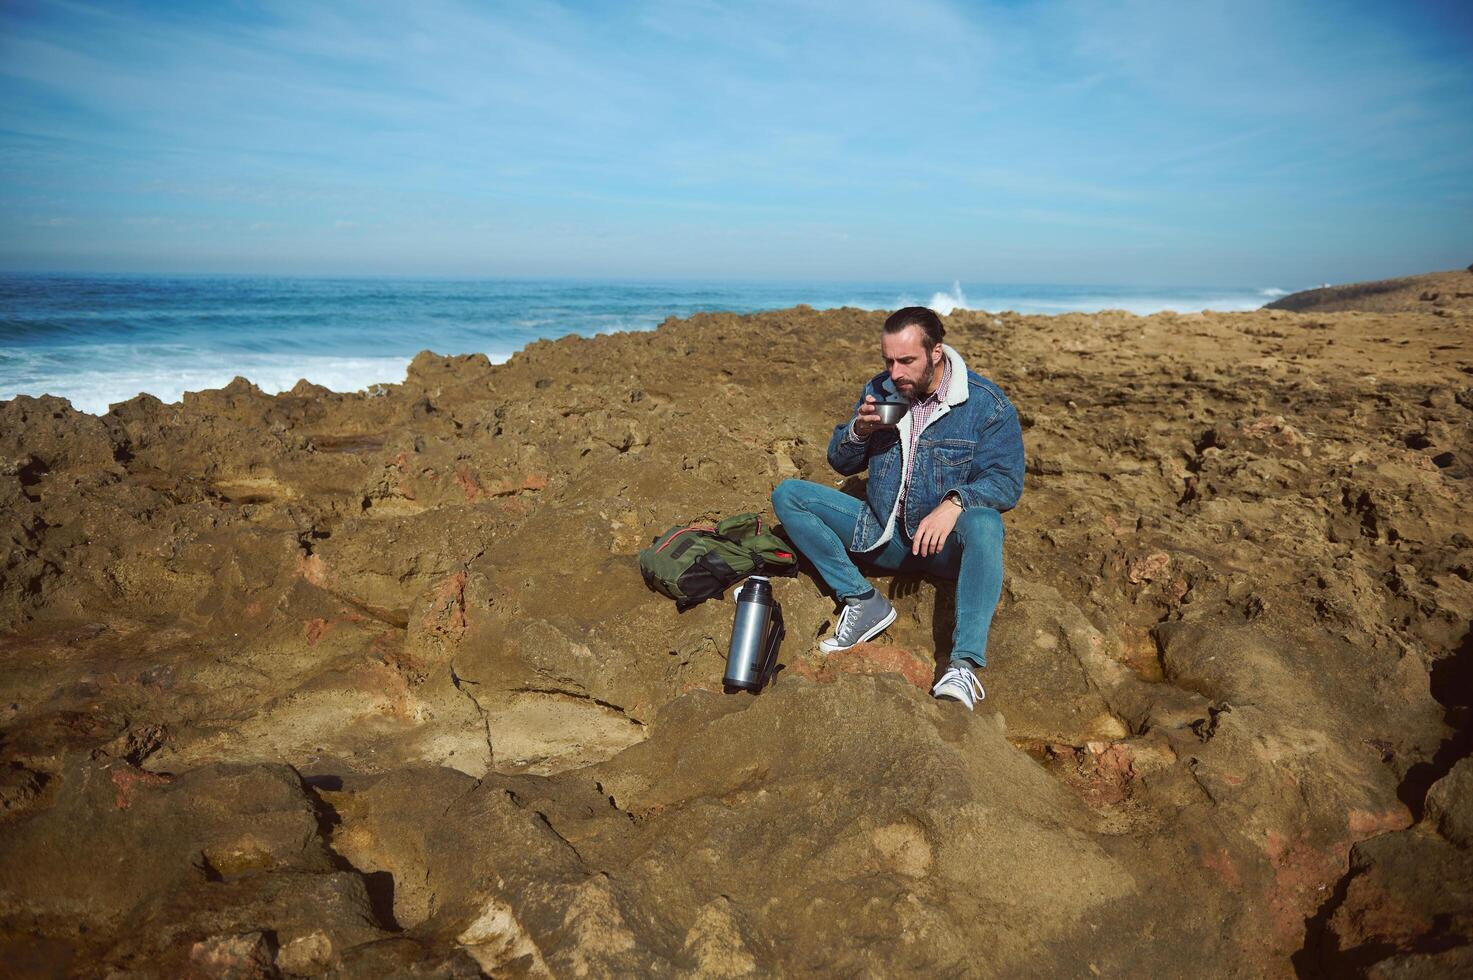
x: 755, y: 635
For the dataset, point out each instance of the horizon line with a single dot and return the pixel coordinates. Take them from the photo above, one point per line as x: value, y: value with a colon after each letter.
x: 953, y: 281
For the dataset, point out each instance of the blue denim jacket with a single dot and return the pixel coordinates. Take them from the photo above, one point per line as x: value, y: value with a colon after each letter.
x: 973, y: 445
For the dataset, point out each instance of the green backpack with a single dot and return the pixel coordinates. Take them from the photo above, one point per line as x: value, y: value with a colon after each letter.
x: 692, y: 563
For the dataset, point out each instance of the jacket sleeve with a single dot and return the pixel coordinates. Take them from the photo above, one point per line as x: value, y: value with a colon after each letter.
x: 848, y: 455
x: 997, y: 480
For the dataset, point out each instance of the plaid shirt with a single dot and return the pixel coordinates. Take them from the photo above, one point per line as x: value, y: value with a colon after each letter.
x: 920, y: 417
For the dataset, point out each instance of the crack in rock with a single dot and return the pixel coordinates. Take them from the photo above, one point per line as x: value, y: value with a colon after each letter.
x: 463, y: 686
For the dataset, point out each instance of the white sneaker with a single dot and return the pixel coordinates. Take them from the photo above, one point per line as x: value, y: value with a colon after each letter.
x: 861, y: 620
x: 959, y: 684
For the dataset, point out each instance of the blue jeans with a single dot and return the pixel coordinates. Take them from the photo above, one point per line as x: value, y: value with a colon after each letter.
x: 820, y: 522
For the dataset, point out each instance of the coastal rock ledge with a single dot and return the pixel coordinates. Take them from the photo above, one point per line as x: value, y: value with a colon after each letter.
x: 349, y: 685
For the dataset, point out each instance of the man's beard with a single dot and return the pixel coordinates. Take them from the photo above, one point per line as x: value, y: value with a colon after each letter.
x: 922, y: 386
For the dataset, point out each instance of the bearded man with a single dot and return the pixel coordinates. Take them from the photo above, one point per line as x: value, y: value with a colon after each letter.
x: 938, y: 482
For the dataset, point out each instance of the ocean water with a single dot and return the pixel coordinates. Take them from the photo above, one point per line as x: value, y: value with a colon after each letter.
x: 97, y: 340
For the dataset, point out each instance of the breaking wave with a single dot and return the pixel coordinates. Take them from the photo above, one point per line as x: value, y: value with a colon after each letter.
x: 948, y: 303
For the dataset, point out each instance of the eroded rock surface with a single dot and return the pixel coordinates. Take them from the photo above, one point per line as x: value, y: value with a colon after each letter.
x: 369, y: 684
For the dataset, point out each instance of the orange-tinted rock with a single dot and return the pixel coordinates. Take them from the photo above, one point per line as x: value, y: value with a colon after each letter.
x: 868, y: 658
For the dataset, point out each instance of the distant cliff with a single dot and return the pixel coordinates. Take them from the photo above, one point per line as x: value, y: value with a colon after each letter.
x: 1428, y: 293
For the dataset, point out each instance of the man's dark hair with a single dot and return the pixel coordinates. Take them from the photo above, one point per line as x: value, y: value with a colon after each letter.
x: 919, y: 316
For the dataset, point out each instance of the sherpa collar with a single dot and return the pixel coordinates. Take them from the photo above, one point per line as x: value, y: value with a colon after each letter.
x: 956, y: 379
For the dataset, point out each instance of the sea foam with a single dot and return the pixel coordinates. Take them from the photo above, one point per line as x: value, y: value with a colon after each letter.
x: 948, y: 303
x: 100, y: 381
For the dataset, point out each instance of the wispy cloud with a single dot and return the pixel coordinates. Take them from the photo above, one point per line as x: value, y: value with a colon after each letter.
x: 811, y: 127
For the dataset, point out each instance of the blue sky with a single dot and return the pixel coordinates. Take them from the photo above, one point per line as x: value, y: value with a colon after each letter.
x: 1240, y: 143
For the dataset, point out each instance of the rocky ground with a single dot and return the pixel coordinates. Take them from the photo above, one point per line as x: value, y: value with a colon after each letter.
x: 369, y: 685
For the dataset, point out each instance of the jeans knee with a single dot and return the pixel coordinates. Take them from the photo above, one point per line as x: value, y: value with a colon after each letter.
x: 980, y: 526
x: 785, y: 496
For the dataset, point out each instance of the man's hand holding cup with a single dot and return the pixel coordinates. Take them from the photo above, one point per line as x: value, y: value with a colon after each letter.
x: 868, y: 419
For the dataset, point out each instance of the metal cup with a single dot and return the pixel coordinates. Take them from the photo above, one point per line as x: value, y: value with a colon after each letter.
x: 891, y: 412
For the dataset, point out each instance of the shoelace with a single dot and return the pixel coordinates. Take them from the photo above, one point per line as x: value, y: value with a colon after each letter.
x: 848, y: 623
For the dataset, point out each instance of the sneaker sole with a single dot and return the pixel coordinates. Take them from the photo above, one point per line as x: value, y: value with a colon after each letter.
x: 948, y: 696
x: 872, y: 632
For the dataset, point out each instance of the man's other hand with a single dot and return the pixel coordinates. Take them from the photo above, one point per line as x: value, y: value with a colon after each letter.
x: 935, y: 528
x: 868, y: 420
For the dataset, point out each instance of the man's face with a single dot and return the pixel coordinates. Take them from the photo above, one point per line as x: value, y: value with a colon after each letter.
x: 912, y: 368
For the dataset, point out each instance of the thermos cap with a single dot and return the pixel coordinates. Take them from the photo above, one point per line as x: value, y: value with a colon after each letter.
x: 756, y: 589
